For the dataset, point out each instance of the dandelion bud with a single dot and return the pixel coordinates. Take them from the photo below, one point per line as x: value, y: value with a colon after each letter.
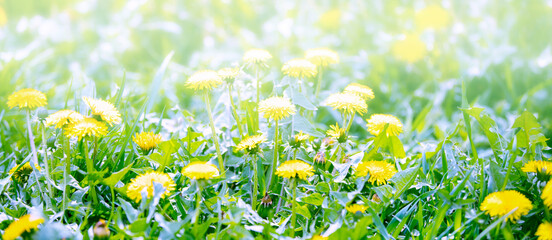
x: 376, y: 198
x: 42, y: 114
x: 320, y: 157
x: 101, y: 230
x: 266, y: 201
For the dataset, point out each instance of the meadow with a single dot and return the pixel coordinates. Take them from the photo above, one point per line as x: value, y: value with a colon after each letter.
x: 248, y: 119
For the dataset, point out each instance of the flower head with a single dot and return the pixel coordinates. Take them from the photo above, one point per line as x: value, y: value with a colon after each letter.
x: 27, y: 98
x: 63, y: 117
x: 337, y: 133
x: 276, y: 108
x: 354, y: 208
x: 295, y: 169
x: 257, y: 56
x: 347, y: 103
x: 377, y: 123
x: 147, y: 140
x: 104, y: 109
x: 200, y: 170
x: 380, y: 171
x: 251, y: 144
x: 318, y: 237
x: 434, y: 17
x: 299, y: 68
x: 546, y: 194
x: 229, y: 74
x: 86, y: 127
x: 544, y: 232
x: 498, y: 204
x: 204, y: 80
x: 538, y: 166
x: 23, y: 224
x: 22, y: 174
x: 145, y: 182
x: 409, y: 49
x: 322, y: 56
x: 360, y: 90
x: 298, y: 139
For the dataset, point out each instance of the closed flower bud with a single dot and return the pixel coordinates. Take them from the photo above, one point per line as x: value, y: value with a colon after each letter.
x: 320, y: 157
x: 101, y: 230
x: 42, y: 114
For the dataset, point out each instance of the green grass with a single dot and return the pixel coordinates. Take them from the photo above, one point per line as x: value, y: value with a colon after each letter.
x: 475, y: 109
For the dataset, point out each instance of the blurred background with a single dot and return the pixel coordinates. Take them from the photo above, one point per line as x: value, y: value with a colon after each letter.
x: 414, y: 54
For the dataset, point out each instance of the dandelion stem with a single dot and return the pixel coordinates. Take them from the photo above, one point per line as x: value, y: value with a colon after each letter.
x: 90, y: 170
x: 236, y: 116
x: 350, y: 123
x: 275, y: 157
x: 258, y: 94
x: 214, y: 134
x: 46, y: 164
x: 198, y: 202
x: 66, y: 172
x: 318, y: 83
x: 293, y: 208
x: 34, y: 161
x: 255, y: 183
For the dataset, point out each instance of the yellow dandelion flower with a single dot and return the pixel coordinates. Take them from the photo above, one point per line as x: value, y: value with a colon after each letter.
x: 347, y: 103
x: 301, y: 136
x: 23, y: 224
x: 299, y: 68
x: 204, y: 80
x: 377, y: 123
x: 409, y: 49
x: 229, y: 74
x: 22, y: 174
x: 538, y: 166
x: 298, y: 139
x: 498, y: 204
x: 86, y: 127
x: 295, y: 169
x: 354, y: 208
x: 27, y: 98
x: 200, y: 170
x: 276, y: 108
x: 546, y: 194
x: 251, y: 144
x: 434, y: 17
x: 62, y: 118
x: 257, y: 56
x: 318, y: 237
x: 380, y: 171
x: 145, y: 181
x: 337, y: 133
x: 104, y: 109
x: 360, y: 90
x: 544, y: 232
x: 322, y: 56
x: 147, y: 140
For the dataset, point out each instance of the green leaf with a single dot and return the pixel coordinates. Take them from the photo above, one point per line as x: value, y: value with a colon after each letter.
x: 315, y: 199
x: 304, y: 211
x: 299, y: 99
x: 300, y: 123
x: 404, y: 179
x: 396, y: 146
x: 323, y: 187
x: 116, y: 177
x: 140, y: 225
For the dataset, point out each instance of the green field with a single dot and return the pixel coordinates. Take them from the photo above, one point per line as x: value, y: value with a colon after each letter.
x: 249, y: 119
